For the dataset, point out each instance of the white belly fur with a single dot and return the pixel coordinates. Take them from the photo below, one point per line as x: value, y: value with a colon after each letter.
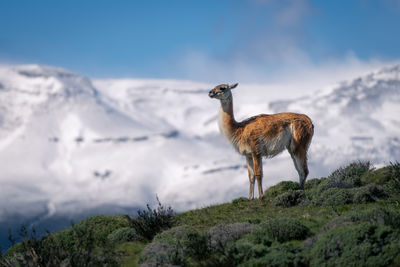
x: 272, y: 147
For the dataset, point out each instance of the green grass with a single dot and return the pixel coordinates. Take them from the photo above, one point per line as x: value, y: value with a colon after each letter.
x: 313, y: 217
x: 130, y: 252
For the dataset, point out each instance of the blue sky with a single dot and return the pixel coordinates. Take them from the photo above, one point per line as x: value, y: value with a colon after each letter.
x: 200, y: 40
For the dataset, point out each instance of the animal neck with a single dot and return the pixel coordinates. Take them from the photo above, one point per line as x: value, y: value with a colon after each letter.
x: 227, y: 123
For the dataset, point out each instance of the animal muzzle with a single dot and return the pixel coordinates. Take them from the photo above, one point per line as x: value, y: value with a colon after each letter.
x: 211, y: 94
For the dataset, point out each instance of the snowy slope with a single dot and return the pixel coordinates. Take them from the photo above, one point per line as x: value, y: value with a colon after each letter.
x: 65, y: 147
x: 358, y: 119
x: 47, y: 116
x: 68, y: 144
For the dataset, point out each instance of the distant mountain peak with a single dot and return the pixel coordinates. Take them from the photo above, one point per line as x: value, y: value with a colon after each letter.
x: 42, y: 80
x: 35, y: 70
x: 29, y: 90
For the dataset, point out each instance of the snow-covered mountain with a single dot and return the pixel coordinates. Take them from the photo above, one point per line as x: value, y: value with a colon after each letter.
x: 68, y: 144
x: 66, y: 147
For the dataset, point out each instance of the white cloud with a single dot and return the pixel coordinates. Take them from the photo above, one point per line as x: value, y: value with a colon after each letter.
x: 271, y: 47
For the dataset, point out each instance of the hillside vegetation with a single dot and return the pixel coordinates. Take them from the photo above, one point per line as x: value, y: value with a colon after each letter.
x: 351, y: 218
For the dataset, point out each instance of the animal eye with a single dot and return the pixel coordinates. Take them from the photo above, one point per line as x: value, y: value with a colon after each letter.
x: 222, y: 88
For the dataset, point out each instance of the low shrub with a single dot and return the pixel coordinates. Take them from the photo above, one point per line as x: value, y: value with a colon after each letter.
x: 351, y: 174
x: 184, y: 245
x: 312, y: 183
x: 368, y: 193
x: 191, y: 242
x: 394, y: 170
x: 277, y: 255
x: 152, y: 221
x: 161, y: 254
x: 280, y: 188
x: 223, y: 236
x: 335, y: 183
x: 51, y: 250
x: 333, y: 197
x: 240, y: 200
x: 336, y: 193
x: 178, y: 245
x: 100, y: 226
x: 378, y: 216
x: 175, y: 233
x: 255, y: 221
x: 378, y: 176
x: 393, y: 185
x: 281, y: 230
x: 246, y: 253
x: 290, y: 199
x: 241, y: 251
x: 357, y: 245
x: 317, y: 193
x: 124, y: 234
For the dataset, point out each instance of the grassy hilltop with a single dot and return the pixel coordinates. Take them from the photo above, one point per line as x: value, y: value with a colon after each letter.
x: 351, y: 218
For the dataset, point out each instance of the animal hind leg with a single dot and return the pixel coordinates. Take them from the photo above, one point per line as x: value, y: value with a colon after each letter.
x: 257, y: 162
x: 300, y: 162
x: 250, y: 169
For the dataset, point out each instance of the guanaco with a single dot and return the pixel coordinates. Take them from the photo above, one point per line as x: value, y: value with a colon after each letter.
x: 264, y: 135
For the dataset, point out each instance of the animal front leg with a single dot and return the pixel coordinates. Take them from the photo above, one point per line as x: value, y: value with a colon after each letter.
x: 257, y: 163
x: 250, y: 169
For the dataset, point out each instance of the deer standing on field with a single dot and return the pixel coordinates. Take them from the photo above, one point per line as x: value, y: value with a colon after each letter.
x: 264, y: 135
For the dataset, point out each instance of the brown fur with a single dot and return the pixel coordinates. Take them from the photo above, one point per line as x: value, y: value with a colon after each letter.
x: 269, y: 126
x: 265, y: 135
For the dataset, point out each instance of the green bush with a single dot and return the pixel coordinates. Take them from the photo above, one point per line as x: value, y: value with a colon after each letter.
x: 254, y: 221
x: 99, y: 226
x: 241, y: 251
x: 378, y: 216
x: 223, y: 236
x: 197, y: 246
x: 335, y: 183
x: 178, y: 245
x: 350, y: 175
x: 333, y: 197
x: 51, y: 250
x: 240, y: 200
x: 336, y: 193
x: 378, y: 176
x: 150, y: 222
x: 394, y: 170
x: 357, y: 245
x: 246, y: 253
x: 161, y: 254
x: 124, y: 234
x: 324, y: 188
x: 393, y: 185
x: 312, y: 183
x: 280, y: 188
x: 188, y: 240
x: 83, y: 244
x: 281, y: 230
x: 368, y: 193
x: 184, y: 245
x: 278, y: 255
x: 290, y: 199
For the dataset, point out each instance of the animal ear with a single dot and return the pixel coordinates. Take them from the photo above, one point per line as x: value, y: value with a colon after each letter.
x: 233, y: 85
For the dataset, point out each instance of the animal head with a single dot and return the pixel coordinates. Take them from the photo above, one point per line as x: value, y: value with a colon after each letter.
x: 222, y: 91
